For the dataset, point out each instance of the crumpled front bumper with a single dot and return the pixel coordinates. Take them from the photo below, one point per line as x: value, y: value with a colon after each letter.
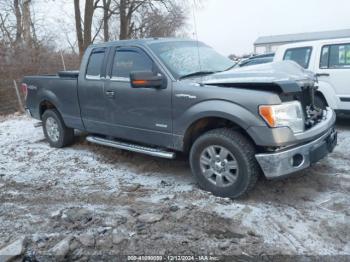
x: 299, y: 157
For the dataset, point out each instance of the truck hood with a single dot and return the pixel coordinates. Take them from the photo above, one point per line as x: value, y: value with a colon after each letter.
x: 287, y: 76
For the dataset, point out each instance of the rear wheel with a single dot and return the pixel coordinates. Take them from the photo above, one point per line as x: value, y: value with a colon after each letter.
x: 223, y: 162
x: 55, y: 131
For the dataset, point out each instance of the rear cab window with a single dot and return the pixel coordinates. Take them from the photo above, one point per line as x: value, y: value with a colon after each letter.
x: 95, y: 64
x: 300, y: 55
x: 335, y: 56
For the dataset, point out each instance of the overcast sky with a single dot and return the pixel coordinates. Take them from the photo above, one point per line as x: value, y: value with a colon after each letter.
x: 232, y: 26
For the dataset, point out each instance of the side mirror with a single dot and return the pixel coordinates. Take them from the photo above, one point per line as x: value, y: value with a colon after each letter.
x: 146, y: 79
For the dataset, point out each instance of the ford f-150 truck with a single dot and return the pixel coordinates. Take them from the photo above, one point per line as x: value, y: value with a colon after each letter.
x: 165, y: 96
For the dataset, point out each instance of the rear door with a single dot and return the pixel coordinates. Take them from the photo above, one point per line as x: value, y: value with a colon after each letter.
x: 138, y: 114
x: 91, y: 92
x: 334, y: 68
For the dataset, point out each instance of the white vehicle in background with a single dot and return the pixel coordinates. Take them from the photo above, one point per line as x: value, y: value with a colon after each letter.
x: 330, y: 61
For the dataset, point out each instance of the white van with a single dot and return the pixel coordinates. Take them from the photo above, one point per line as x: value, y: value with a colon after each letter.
x: 330, y: 61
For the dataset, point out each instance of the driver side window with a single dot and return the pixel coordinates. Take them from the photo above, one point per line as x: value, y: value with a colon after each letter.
x: 126, y: 61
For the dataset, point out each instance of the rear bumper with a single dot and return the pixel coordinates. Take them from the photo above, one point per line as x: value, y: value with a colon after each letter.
x: 289, y: 161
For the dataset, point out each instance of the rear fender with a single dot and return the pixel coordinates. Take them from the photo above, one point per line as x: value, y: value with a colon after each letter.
x: 47, y: 95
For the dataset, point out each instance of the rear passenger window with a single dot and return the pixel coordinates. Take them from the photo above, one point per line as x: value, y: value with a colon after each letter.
x: 126, y: 61
x: 300, y: 55
x: 94, y: 67
x: 335, y: 56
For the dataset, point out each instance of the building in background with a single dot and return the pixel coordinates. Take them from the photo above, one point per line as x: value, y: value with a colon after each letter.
x: 269, y: 44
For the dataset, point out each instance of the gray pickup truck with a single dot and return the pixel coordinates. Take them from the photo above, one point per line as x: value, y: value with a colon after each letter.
x: 165, y: 96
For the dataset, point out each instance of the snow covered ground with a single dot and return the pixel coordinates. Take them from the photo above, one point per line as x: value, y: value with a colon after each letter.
x: 89, y: 199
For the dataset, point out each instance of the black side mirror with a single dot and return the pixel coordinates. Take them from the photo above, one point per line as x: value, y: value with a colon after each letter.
x: 146, y: 79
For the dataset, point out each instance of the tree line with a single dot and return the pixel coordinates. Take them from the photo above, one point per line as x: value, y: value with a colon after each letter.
x: 115, y: 19
x: 28, y: 47
x: 135, y: 19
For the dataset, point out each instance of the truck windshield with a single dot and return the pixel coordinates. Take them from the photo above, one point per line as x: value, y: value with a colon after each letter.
x: 190, y: 58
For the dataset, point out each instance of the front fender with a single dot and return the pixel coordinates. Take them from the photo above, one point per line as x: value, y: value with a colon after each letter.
x: 216, y: 108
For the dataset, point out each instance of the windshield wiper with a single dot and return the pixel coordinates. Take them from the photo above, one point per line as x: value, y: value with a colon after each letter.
x: 230, y: 67
x: 199, y: 73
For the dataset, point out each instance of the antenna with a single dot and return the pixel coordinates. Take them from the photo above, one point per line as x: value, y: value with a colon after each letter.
x: 196, y: 34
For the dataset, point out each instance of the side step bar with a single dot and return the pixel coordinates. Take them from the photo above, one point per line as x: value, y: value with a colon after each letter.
x: 38, y: 124
x: 131, y: 147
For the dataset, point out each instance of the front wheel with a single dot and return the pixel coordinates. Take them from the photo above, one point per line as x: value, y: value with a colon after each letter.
x: 223, y: 162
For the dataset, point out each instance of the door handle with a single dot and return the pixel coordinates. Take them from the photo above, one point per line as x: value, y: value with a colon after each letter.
x: 322, y: 74
x: 110, y: 94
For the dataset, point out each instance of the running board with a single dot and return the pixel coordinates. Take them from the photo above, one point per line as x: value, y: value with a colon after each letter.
x: 38, y: 124
x: 131, y: 147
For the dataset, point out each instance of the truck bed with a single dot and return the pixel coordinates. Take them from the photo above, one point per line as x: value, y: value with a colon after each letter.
x: 61, y: 90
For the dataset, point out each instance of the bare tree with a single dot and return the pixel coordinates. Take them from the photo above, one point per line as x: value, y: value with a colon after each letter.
x: 125, y: 12
x: 20, y: 41
x: 18, y: 21
x: 106, y: 16
x: 156, y: 22
x: 94, y: 20
x: 6, y: 35
x: 84, y: 28
x: 136, y: 15
x: 135, y: 18
x: 78, y: 26
x: 27, y: 22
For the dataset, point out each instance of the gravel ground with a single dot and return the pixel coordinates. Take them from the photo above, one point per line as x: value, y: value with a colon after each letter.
x: 91, y: 200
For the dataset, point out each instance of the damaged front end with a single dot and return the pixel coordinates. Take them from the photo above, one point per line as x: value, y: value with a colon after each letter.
x: 285, y: 148
x: 287, y: 79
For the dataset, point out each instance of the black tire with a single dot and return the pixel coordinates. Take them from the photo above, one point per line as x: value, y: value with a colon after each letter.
x: 65, y: 135
x: 320, y: 102
x: 241, y: 149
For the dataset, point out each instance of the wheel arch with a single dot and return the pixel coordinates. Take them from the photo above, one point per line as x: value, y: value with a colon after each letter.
x: 205, y: 124
x: 44, y: 105
x: 209, y: 115
x: 48, y: 100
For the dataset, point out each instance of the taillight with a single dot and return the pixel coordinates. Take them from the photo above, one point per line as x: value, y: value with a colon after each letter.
x: 24, y: 89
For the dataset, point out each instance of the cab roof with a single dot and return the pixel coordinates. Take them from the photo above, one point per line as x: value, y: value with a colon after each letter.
x: 144, y: 41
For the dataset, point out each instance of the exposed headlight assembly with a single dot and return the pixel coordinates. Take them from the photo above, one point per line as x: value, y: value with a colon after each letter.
x: 289, y: 114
